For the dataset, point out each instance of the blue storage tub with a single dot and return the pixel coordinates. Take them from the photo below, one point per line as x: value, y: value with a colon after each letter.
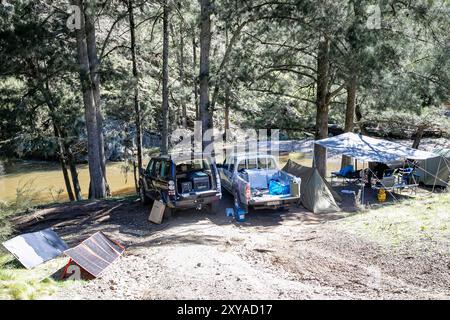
x: 240, y: 215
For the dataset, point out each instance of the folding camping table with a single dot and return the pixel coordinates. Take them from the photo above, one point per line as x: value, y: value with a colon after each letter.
x: 398, y: 186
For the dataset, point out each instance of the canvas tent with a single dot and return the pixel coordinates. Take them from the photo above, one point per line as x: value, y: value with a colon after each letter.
x: 435, y: 171
x: 316, y: 193
x: 369, y: 149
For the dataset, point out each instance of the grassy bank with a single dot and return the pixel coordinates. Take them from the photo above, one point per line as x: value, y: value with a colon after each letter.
x: 15, y: 281
x: 418, y: 226
x: 421, y: 224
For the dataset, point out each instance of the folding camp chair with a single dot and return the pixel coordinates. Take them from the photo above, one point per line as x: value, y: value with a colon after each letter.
x: 347, y: 173
x: 407, y: 179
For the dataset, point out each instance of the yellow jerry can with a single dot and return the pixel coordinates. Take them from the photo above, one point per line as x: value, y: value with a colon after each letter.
x: 381, y: 195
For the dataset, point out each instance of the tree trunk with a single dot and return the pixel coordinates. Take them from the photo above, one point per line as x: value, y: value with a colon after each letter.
x: 57, y: 130
x: 97, y: 184
x: 63, y: 161
x: 322, y: 104
x: 94, y: 66
x: 205, y: 42
x: 183, y: 98
x: 418, y: 136
x: 228, y: 49
x: 181, y: 74
x: 137, y: 106
x: 73, y: 172
x: 165, y: 84
x: 350, y: 113
x: 227, y: 109
x: 358, y: 115
x: 194, y: 55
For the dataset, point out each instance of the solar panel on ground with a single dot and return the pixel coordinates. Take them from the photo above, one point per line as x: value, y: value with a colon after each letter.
x: 32, y: 249
x: 95, y: 254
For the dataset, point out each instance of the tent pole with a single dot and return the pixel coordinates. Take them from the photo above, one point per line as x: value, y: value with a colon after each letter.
x: 433, y: 175
x: 378, y: 180
x: 446, y: 162
x: 313, y: 155
x: 362, y: 185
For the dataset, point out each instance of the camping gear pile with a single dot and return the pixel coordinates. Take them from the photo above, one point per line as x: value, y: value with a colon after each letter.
x: 278, y: 188
x: 87, y: 260
x: 372, y: 150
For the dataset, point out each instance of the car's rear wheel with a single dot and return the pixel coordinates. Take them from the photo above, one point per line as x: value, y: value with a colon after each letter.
x: 168, y: 212
x: 209, y: 209
x: 143, y: 196
x: 237, y: 203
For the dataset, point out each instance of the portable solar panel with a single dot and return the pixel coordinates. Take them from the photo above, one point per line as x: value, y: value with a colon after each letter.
x: 95, y: 254
x: 32, y: 249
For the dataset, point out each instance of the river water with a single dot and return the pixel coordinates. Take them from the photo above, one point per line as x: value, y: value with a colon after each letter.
x: 45, y: 179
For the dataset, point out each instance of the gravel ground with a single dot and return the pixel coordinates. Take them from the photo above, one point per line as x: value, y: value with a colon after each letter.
x: 273, y: 255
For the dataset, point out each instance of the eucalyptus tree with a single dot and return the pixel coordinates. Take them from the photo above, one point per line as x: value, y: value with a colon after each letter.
x: 90, y: 83
x: 205, y: 45
x: 36, y: 52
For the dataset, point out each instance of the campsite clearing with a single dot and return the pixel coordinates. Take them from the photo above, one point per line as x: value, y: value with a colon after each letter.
x: 276, y: 255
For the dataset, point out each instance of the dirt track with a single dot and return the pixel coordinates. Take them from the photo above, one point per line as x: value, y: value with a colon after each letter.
x: 274, y: 255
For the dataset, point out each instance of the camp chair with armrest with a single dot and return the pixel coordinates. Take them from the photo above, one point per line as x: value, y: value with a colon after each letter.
x: 408, y: 179
x: 347, y: 174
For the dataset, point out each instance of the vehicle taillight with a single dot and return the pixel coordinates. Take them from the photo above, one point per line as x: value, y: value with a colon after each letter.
x: 247, y: 192
x: 219, y: 186
x: 171, y: 191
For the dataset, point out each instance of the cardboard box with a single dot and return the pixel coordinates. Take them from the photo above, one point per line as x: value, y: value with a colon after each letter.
x: 157, y: 213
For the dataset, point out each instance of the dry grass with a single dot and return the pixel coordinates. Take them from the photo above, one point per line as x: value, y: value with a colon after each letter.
x: 420, y: 224
x: 18, y: 283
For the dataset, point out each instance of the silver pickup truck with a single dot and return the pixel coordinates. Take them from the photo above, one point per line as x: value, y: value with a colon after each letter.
x: 253, y: 180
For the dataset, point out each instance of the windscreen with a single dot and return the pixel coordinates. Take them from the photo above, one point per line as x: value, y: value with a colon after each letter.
x: 257, y: 163
x: 193, y: 165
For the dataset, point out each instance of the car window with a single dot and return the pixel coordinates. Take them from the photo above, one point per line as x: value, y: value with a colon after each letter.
x: 252, y: 163
x: 165, y: 170
x: 192, y: 165
x: 150, y: 167
x: 262, y: 163
x: 157, y: 168
x: 231, y: 167
x: 242, y: 165
x: 271, y: 164
x: 231, y: 164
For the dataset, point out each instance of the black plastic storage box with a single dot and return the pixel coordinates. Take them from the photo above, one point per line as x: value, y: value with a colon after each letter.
x: 200, y: 181
x: 186, y: 186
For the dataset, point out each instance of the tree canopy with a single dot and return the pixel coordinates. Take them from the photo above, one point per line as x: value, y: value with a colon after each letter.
x: 159, y: 65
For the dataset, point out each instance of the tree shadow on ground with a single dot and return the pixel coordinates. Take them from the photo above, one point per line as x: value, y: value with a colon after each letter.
x: 369, y: 197
x: 126, y: 219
